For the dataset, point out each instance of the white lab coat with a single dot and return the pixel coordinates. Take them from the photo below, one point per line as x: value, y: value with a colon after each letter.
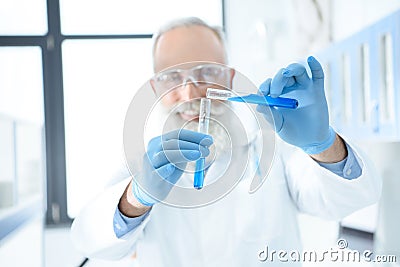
x: 231, y: 231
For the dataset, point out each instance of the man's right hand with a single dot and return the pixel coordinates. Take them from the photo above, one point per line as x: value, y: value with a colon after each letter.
x: 166, y: 159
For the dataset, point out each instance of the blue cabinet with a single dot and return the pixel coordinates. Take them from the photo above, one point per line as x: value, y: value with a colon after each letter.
x: 363, y: 82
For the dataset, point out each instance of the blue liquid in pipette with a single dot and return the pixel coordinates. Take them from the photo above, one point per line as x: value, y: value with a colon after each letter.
x: 199, y: 173
x: 266, y: 100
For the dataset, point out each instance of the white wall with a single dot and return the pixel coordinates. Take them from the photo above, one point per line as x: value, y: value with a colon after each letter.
x: 264, y: 36
x: 251, y: 26
x: 351, y: 16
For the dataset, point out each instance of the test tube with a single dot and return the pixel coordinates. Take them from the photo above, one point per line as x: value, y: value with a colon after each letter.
x: 246, y: 97
x: 204, y: 118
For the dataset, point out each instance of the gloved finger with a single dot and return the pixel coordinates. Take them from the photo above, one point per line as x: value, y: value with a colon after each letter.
x: 190, y: 136
x: 177, y: 144
x: 298, y: 72
x: 272, y: 115
x: 291, y: 85
x: 265, y: 87
x: 174, y: 156
x: 278, y: 83
x: 165, y: 170
x: 317, y: 72
x: 290, y: 82
x: 177, y: 172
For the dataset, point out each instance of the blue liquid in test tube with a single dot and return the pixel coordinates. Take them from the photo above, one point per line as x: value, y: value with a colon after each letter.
x: 246, y: 97
x: 204, y: 118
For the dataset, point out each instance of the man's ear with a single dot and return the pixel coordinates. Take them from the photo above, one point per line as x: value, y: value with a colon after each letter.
x: 233, y: 72
x: 153, y: 86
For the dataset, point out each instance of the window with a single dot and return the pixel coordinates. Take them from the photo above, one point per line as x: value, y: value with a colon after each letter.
x: 23, y: 17
x: 100, y: 79
x: 21, y: 125
x: 21, y: 84
x: 131, y: 16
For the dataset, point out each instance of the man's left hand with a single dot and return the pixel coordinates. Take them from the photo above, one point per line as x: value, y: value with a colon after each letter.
x: 307, y: 126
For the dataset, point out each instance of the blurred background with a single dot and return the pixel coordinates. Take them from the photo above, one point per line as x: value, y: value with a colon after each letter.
x: 69, y: 68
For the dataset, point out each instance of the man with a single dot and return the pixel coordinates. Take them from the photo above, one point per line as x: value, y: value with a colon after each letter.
x: 314, y: 171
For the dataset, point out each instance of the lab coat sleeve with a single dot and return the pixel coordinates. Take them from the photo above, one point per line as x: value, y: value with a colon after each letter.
x: 320, y: 192
x: 92, y: 231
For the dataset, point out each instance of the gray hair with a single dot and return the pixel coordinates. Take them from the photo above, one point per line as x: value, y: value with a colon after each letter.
x: 187, y: 22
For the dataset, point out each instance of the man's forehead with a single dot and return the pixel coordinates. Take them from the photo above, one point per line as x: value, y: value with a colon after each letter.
x: 184, y: 30
x: 186, y: 44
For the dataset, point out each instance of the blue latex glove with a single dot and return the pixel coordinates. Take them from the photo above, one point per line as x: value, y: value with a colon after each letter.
x: 307, y: 126
x: 165, y: 161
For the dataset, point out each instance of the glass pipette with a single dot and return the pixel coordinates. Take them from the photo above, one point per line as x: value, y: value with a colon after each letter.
x: 246, y: 97
x: 204, y: 118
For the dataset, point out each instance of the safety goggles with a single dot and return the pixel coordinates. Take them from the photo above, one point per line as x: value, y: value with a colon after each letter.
x: 200, y: 75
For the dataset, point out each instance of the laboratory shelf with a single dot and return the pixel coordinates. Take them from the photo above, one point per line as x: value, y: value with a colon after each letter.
x: 12, y: 218
x: 363, y: 82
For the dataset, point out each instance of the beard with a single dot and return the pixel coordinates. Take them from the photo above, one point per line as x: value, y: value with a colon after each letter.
x: 220, y: 119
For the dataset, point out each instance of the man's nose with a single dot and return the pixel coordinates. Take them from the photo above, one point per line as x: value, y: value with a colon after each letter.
x: 189, y: 91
